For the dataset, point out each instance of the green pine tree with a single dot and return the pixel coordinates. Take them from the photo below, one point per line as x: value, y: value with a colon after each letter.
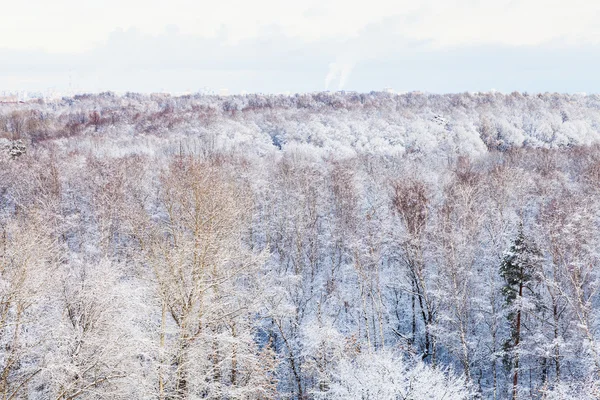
x: 518, y: 270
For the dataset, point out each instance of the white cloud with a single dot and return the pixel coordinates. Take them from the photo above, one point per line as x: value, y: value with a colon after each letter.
x: 277, y: 46
x: 77, y: 25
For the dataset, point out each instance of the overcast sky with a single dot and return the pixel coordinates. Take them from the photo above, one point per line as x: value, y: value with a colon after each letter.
x: 279, y: 46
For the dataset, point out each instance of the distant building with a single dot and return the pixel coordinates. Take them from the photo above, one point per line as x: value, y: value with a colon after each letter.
x: 438, y: 119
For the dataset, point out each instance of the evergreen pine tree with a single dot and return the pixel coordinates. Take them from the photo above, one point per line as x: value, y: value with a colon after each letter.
x: 518, y: 270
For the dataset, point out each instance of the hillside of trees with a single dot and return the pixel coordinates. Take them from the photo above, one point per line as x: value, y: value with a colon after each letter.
x: 316, y: 246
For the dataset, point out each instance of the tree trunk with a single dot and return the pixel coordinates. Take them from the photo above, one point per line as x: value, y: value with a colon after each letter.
x: 517, y: 340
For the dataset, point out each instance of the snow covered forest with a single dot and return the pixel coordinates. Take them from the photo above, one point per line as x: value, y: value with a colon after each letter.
x: 318, y: 246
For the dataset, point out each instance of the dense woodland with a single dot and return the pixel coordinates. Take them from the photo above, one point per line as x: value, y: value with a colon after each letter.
x: 316, y: 246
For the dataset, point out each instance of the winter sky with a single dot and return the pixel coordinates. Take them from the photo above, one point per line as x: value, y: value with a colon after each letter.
x: 294, y: 46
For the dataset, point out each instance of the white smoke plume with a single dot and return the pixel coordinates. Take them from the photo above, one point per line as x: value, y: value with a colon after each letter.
x: 339, y: 72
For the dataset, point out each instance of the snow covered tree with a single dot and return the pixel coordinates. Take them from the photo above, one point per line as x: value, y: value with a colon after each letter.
x: 410, y: 201
x: 206, y: 282
x: 28, y: 259
x: 385, y: 375
x: 519, y: 268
